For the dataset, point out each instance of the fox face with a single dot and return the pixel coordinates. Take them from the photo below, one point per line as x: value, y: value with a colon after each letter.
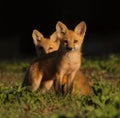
x: 45, y: 45
x: 72, y: 39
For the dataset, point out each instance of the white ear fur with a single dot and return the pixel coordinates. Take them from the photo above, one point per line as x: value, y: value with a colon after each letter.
x: 37, y: 36
x: 80, y: 29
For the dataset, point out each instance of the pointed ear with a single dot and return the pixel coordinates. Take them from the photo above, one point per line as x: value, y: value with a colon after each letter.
x: 61, y: 29
x: 80, y: 29
x: 54, y: 37
x: 37, y: 36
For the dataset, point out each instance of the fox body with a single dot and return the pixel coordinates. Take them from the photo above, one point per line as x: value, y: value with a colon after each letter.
x: 42, y: 69
x: 81, y: 85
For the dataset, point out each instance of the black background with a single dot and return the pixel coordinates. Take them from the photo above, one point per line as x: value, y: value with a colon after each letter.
x: 19, y: 18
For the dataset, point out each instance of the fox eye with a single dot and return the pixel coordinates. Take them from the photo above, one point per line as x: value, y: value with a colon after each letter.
x: 50, y: 48
x: 75, y: 41
x: 65, y: 41
x: 41, y: 48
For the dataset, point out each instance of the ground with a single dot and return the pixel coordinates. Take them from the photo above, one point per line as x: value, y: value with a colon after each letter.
x: 104, y: 101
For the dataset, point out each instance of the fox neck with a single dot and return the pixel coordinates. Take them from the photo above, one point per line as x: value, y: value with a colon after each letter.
x: 73, y: 55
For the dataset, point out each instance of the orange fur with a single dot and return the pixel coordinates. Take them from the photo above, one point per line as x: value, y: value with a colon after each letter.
x: 81, y: 85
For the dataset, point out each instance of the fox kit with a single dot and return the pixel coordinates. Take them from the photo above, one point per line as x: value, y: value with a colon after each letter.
x: 41, y: 70
x: 70, y: 61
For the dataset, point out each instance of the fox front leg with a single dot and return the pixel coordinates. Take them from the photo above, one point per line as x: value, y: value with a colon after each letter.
x: 58, y: 83
x: 69, y: 83
x: 36, y: 82
x: 47, y: 85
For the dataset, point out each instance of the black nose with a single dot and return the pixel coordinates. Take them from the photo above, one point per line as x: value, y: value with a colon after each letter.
x: 69, y: 48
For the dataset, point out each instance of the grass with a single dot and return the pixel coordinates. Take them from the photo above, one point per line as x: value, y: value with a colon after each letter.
x: 104, y: 102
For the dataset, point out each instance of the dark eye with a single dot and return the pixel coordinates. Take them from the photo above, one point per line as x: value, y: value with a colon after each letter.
x: 50, y: 48
x: 75, y: 41
x: 41, y: 48
x: 65, y: 41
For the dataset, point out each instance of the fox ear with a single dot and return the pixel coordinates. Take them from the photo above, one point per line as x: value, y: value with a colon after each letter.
x: 37, y: 36
x: 80, y: 29
x: 54, y: 37
x: 61, y: 29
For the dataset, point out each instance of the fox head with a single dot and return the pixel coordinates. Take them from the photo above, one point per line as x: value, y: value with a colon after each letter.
x: 45, y: 44
x: 71, y: 39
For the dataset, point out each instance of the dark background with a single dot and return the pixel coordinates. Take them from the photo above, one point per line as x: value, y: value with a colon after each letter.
x: 19, y: 17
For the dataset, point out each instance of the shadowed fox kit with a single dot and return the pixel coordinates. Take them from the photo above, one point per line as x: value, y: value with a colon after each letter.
x: 40, y: 69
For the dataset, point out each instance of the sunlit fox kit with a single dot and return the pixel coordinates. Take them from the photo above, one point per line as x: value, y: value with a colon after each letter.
x: 61, y: 61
